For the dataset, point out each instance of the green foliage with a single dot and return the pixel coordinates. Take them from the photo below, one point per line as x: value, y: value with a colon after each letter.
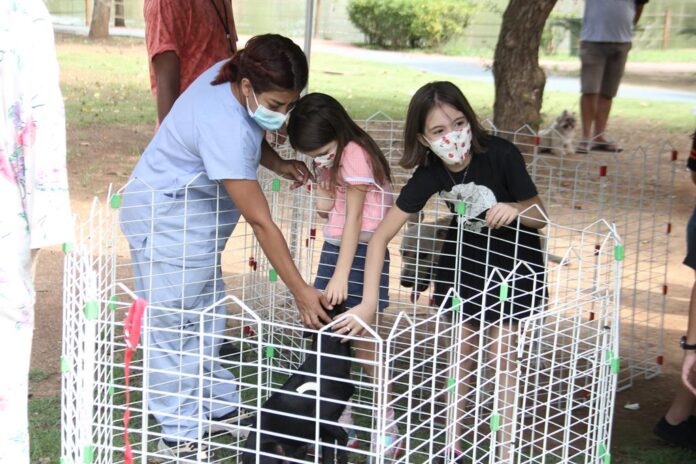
x: 410, y: 23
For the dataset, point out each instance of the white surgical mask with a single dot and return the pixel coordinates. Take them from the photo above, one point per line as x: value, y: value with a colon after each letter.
x: 453, y: 147
x: 265, y: 118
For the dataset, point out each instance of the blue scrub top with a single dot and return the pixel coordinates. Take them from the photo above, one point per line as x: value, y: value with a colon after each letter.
x: 175, y: 207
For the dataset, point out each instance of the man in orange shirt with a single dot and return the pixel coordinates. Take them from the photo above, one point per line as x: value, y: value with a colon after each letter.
x: 183, y: 39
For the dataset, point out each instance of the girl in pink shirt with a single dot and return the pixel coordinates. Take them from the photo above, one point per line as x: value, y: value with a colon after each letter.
x: 354, y: 194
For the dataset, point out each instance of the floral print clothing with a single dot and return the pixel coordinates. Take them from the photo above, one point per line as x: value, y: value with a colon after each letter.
x: 35, y: 208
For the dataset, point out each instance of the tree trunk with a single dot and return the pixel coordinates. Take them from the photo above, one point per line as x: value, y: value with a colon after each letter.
x: 119, y: 14
x: 99, y: 29
x: 519, y: 81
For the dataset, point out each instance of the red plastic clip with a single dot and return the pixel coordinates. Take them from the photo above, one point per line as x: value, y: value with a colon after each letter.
x: 248, y: 331
x: 675, y: 155
x: 602, y: 171
x: 537, y: 141
x: 664, y: 289
x: 252, y: 262
x: 131, y: 330
x: 660, y: 360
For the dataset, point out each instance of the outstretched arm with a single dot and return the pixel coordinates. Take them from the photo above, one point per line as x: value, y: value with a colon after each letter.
x: 249, y: 198
x: 374, y: 262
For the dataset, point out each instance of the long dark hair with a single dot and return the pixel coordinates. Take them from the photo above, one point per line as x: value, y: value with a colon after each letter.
x: 318, y: 119
x: 424, y: 100
x: 270, y: 62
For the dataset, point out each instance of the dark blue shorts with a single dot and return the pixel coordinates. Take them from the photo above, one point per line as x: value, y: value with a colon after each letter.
x: 690, y: 259
x: 327, y: 264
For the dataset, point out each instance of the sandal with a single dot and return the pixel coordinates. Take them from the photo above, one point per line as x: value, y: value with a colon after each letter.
x: 607, y: 146
x: 583, y: 147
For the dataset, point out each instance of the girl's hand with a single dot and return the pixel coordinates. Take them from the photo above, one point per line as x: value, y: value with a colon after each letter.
x: 501, y: 214
x: 337, y: 289
x: 352, y: 327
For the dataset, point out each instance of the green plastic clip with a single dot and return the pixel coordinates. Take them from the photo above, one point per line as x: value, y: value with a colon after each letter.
x: 450, y: 384
x: 116, y: 200
x: 619, y: 252
x: 504, y: 291
x: 64, y: 364
x: 272, y: 275
x: 270, y: 352
x: 461, y: 208
x: 67, y: 248
x: 604, y: 455
x: 275, y: 186
x: 615, y: 365
x: 112, y: 303
x: 456, y: 304
x: 88, y: 454
x: 495, y: 422
x: 91, y: 310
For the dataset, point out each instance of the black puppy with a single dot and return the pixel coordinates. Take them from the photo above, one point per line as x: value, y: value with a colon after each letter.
x: 302, y: 402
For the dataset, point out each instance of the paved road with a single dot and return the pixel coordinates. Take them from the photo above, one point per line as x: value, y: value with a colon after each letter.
x: 472, y: 69
x: 461, y: 67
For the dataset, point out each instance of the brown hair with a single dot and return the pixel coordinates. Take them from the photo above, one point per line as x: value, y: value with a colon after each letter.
x: 319, y: 119
x: 424, y: 100
x: 270, y: 62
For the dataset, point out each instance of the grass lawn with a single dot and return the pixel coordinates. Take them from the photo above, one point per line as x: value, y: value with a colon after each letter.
x: 107, y: 83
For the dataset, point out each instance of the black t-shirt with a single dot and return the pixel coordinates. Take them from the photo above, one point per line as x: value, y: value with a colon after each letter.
x: 498, y: 175
x: 691, y: 163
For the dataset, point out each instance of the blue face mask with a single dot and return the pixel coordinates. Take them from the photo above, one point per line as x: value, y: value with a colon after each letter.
x: 265, y: 118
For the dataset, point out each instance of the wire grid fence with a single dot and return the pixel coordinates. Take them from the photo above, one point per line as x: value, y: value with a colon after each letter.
x: 633, y: 189
x: 542, y: 388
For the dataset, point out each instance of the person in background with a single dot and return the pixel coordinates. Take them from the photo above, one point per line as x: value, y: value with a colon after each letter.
x: 678, y: 426
x: 607, y: 32
x: 183, y: 39
x: 35, y: 209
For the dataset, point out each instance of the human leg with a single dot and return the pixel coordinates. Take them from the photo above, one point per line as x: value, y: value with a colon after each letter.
x: 616, y: 55
x: 176, y: 394
x: 16, y: 331
x: 504, y: 337
x: 592, y: 62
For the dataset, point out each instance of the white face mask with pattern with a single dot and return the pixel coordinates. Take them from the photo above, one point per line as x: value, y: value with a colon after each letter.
x: 454, y: 147
x: 325, y: 161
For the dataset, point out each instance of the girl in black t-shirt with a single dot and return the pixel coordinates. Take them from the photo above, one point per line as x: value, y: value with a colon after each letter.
x: 453, y: 155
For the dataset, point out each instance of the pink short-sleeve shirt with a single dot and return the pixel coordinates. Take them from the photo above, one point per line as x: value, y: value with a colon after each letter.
x: 356, y: 169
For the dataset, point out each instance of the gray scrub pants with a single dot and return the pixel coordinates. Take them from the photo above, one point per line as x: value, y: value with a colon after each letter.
x: 176, y: 326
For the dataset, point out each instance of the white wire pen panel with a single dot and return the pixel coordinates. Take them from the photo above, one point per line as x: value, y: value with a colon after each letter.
x: 633, y: 189
x: 499, y: 344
